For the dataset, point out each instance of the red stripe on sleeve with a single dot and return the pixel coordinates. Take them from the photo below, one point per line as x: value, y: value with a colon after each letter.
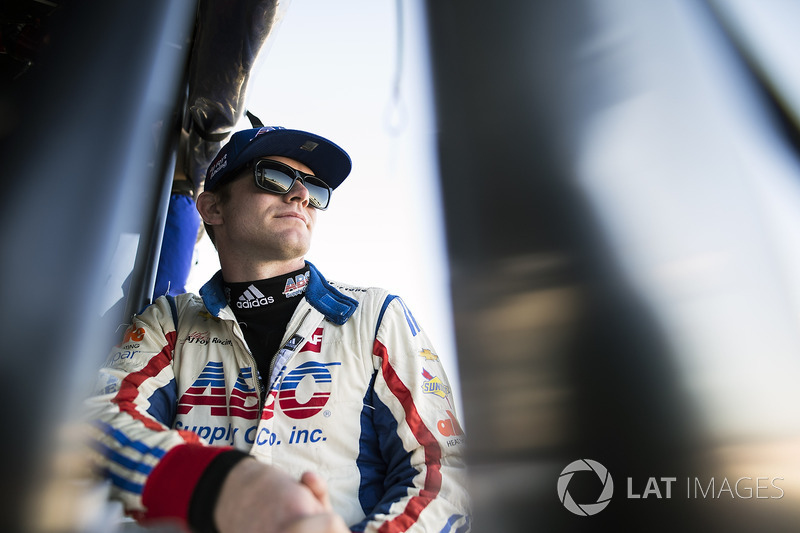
x: 433, y: 454
x: 129, y: 389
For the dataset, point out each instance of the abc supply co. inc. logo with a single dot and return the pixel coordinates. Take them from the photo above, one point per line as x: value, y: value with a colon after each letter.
x: 590, y: 466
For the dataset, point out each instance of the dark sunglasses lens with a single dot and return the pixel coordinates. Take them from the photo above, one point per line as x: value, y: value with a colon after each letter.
x: 273, y: 177
x: 319, y: 193
x: 273, y: 180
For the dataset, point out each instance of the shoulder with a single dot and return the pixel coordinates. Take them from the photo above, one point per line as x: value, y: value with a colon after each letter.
x: 177, y: 308
x: 364, y: 295
x: 375, y: 304
x: 190, y: 305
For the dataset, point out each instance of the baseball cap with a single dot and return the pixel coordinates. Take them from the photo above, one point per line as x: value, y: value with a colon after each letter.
x: 329, y: 162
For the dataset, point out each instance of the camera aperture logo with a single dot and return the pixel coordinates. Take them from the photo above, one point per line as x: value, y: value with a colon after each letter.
x: 585, y: 509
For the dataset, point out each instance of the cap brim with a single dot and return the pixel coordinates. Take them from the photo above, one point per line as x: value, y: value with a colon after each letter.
x: 326, y: 159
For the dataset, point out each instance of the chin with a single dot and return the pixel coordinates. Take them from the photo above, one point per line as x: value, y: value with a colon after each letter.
x: 296, y: 250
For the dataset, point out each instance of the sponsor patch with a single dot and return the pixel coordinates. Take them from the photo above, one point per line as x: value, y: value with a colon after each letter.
x: 218, y: 165
x: 253, y: 298
x: 296, y: 285
x: 132, y: 335
x: 449, y: 427
x: 314, y: 344
x: 428, y: 355
x: 434, y: 385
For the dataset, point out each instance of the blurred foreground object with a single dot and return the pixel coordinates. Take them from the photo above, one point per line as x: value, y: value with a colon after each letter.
x: 230, y: 40
x: 622, y: 201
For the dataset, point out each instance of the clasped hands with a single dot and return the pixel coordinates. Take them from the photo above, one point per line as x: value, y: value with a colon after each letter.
x: 259, y: 498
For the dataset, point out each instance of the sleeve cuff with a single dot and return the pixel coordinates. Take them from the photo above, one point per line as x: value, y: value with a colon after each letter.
x: 206, y: 492
x: 169, y: 488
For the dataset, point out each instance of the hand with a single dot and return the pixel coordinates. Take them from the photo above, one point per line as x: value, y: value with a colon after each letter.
x: 328, y: 522
x: 258, y: 498
x: 320, y: 523
x: 318, y: 488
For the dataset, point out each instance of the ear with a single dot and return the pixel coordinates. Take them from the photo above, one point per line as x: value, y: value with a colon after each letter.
x: 209, y: 208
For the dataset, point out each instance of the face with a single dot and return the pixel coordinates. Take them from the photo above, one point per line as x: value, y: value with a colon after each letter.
x: 260, y: 226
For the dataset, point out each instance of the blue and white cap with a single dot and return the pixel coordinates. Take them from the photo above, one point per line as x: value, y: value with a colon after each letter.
x: 329, y: 162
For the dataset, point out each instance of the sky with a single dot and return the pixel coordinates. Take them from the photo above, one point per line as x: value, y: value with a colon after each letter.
x: 332, y: 68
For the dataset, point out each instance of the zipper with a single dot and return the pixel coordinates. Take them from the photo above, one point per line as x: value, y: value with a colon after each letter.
x: 237, y: 331
x: 275, y: 357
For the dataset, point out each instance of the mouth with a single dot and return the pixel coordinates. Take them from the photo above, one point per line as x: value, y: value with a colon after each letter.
x: 298, y: 216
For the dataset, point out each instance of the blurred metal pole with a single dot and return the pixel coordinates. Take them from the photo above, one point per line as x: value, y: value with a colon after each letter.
x: 83, y: 161
x: 143, y: 275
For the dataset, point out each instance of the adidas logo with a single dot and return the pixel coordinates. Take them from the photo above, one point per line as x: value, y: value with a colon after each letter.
x: 253, y: 297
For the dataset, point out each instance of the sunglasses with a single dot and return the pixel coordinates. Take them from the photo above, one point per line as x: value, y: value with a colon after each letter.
x: 278, y: 178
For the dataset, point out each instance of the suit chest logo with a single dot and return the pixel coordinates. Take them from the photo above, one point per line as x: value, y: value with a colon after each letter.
x: 303, y: 392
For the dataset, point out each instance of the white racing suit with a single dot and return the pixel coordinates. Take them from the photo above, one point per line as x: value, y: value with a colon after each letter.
x: 357, y: 394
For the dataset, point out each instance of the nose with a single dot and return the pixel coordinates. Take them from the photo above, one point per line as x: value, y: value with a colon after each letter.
x: 298, y: 193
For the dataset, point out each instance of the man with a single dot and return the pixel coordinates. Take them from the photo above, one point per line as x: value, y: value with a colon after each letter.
x: 275, y: 400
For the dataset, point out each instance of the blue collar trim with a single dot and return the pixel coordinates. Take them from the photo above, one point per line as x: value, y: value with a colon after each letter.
x: 213, y: 294
x: 322, y: 296
x: 326, y: 299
